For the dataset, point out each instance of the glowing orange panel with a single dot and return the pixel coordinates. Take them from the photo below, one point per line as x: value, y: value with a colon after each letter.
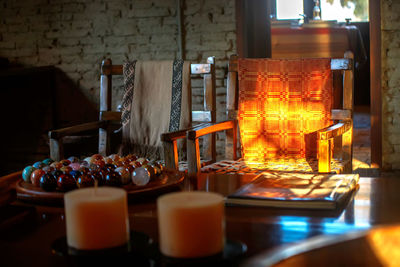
x: 282, y: 103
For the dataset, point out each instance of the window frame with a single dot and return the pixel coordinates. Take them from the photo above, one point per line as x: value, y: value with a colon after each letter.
x: 308, y: 6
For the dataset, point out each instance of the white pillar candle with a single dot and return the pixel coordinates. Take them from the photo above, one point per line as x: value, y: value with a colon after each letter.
x: 96, y: 218
x: 191, y: 224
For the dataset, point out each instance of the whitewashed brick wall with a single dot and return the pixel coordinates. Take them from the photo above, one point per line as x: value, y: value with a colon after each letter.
x: 77, y: 35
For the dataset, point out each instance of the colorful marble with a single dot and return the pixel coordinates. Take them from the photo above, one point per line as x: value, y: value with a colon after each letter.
x: 57, y: 165
x: 38, y: 165
x: 97, y: 157
x: 125, y: 175
x: 65, y: 162
x: 47, y: 161
x: 75, y: 166
x: 76, y: 174
x: 85, y: 180
x: 73, y: 159
x: 35, y: 177
x: 97, y: 175
x: 113, y: 179
x: 114, y: 157
x: 66, y: 169
x: 66, y: 182
x: 48, y: 168
x: 48, y: 182
x: 140, y: 176
x: 27, y: 172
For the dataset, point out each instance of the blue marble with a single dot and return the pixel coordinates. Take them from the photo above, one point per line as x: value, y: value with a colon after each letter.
x: 26, y: 173
x: 47, y: 161
x: 38, y: 165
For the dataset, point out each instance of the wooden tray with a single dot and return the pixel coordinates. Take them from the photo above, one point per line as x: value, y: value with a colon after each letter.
x: 168, y: 181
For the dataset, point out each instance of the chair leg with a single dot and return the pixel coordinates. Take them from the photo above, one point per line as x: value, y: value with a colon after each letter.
x: 324, y: 155
x: 104, y: 141
x: 171, y: 155
x: 56, y: 149
x: 193, y: 155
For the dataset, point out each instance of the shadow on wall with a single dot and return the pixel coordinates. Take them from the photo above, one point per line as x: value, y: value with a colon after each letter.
x: 33, y: 101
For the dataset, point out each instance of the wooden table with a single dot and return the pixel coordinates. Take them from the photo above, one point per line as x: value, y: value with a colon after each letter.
x: 28, y: 243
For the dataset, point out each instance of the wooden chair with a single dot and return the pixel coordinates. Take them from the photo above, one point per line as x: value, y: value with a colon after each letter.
x: 334, y: 142
x: 108, y: 118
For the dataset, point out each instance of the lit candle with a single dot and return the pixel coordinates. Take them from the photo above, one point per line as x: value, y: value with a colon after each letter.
x: 96, y: 218
x: 191, y: 224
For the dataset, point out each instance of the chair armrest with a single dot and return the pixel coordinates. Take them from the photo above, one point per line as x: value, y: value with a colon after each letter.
x: 169, y: 141
x: 56, y: 134
x: 334, y: 130
x: 172, y: 136
x: 325, y: 139
x: 194, y: 164
x: 211, y: 128
x: 7, y: 188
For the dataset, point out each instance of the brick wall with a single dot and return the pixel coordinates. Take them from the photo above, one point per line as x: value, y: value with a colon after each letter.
x: 390, y: 12
x: 77, y: 35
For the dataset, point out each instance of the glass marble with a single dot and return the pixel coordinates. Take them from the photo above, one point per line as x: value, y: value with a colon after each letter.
x: 48, y: 168
x: 65, y: 162
x: 36, y: 175
x: 113, y: 179
x: 125, y: 175
x: 48, y: 182
x: 76, y: 174
x: 66, y: 169
x: 98, y: 175
x: 114, y: 157
x: 75, y: 166
x: 38, y: 165
x: 57, y: 173
x: 97, y: 157
x: 151, y: 170
x: 140, y: 176
x: 57, y: 165
x: 66, y: 182
x: 27, y: 172
x: 85, y: 180
x: 73, y: 159
x: 47, y: 161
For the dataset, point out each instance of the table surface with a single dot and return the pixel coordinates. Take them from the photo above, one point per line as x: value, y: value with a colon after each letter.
x: 260, y: 228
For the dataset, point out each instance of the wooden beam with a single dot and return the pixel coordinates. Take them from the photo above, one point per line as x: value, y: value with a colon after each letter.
x: 253, y: 28
x: 376, y: 87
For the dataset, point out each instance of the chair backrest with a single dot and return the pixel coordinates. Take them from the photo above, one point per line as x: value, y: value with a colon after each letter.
x: 207, y: 70
x: 342, y: 94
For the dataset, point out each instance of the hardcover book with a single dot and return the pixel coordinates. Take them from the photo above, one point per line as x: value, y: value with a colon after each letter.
x: 296, y: 190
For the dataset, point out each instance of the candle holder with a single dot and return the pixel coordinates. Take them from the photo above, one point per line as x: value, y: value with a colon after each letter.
x: 136, y: 250
x: 230, y: 256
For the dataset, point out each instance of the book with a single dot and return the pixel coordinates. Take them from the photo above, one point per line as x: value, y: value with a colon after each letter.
x: 296, y: 190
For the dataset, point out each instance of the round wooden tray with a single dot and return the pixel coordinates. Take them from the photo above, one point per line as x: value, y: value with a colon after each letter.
x: 166, y: 182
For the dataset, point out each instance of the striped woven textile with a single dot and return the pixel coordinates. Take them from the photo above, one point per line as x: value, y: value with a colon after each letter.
x: 282, y: 103
x: 299, y: 165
